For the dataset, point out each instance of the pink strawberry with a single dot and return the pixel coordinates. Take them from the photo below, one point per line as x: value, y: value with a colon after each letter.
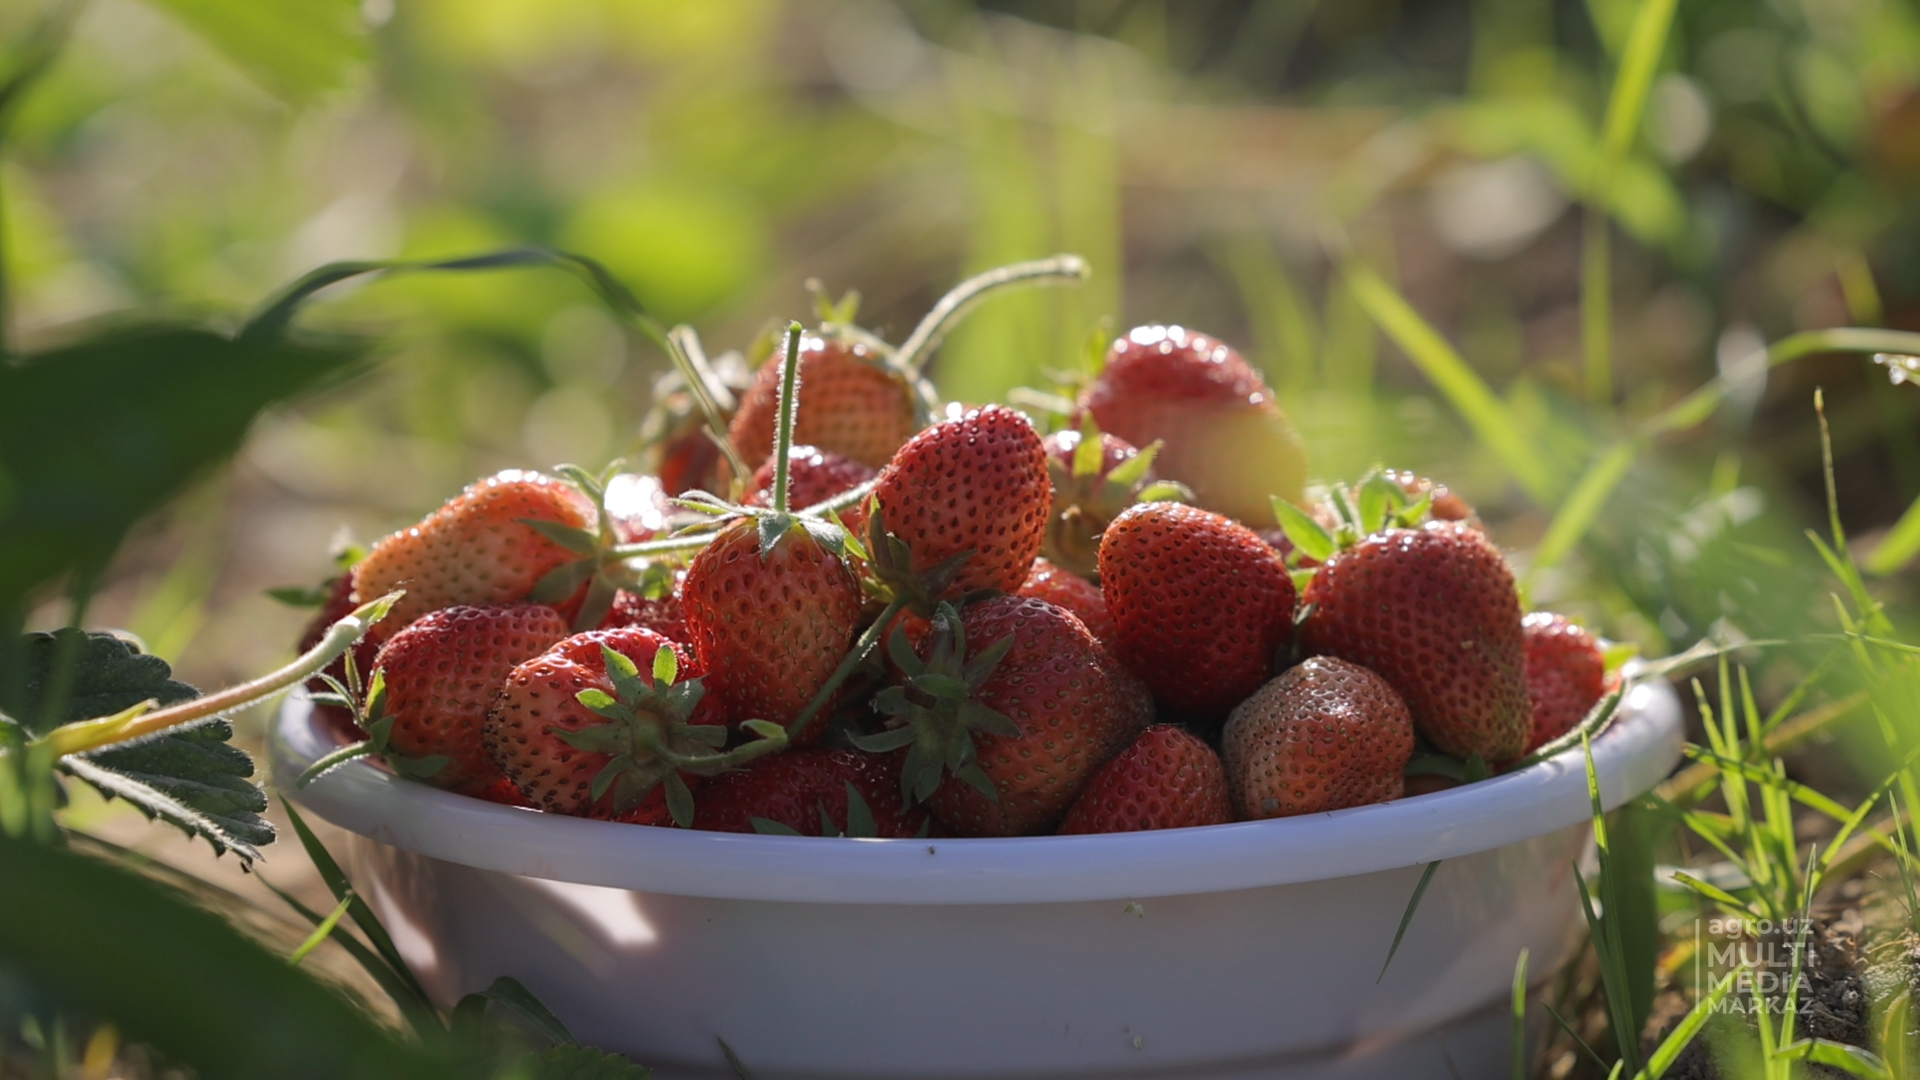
x: 772, y: 624
x: 807, y: 791
x: 1325, y: 734
x: 442, y: 673
x: 1434, y: 611
x: 974, y: 485
x: 477, y: 549
x: 1223, y: 435
x: 1167, y: 779
x: 814, y: 476
x: 1013, y: 698
x: 602, y: 724
x: 1073, y: 592
x: 1566, y: 675
x: 1201, y: 604
x: 850, y: 403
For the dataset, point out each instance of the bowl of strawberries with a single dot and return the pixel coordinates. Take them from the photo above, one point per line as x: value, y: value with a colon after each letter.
x: 948, y: 745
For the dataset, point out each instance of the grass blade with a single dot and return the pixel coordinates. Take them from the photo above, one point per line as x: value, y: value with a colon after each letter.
x: 320, y: 932
x: 363, y: 916
x: 1583, y: 504
x: 1413, y: 905
x: 1670, y: 1048
x: 1520, y: 1017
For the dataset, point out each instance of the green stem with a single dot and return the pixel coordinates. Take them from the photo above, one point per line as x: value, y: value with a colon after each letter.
x: 94, y: 734
x: 912, y: 354
x: 850, y: 497
x: 862, y: 648
x: 783, y: 433
x: 671, y: 544
x: 1596, y: 307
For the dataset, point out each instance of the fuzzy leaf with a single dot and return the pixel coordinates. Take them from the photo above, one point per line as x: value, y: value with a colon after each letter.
x: 1308, y: 536
x: 666, y: 667
x: 1379, y: 496
x: 772, y: 528
x: 830, y: 535
x: 603, y: 780
x: 599, y: 700
x: 980, y: 666
x: 598, y: 739
x: 679, y: 800
x: 1134, y: 469
x: 107, y: 675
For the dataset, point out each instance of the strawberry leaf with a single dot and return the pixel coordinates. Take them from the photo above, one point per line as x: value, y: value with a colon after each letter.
x: 679, y: 800
x: 714, y: 735
x: 1134, y: 469
x: 598, y: 739
x: 1307, y: 536
x: 297, y: 597
x: 1087, y: 455
x: 770, y: 827
x: 577, y: 540
x: 562, y: 581
x: 666, y: 667
x: 1379, y: 496
x: 189, y: 776
x: 860, y: 821
x: 1165, y: 491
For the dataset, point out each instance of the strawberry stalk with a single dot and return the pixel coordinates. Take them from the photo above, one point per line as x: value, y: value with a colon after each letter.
x: 862, y: 648
x: 783, y: 433
x: 913, y: 352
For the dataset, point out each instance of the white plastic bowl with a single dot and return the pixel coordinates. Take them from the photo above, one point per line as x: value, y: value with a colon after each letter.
x: 1245, y: 950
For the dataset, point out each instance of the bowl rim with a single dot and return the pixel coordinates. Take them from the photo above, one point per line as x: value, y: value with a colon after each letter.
x: 1633, y: 754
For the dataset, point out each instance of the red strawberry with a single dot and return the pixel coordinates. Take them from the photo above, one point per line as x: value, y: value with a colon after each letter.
x: 442, y: 673
x: 850, y: 403
x: 665, y: 616
x: 1434, y: 611
x: 770, y: 624
x: 976, y: 484
x: 1323, y: 735
x: 339, y: 604
x: 1224, y: 436
x: 1566, y: 675
x: 1201, y: 604
x: 814, y: 476
x: 1167, y: 779
x: 1036, y: 722
x: 476, y: 549
x: 1073, y: 592
x: 805, y: 791
x: 602, y: 724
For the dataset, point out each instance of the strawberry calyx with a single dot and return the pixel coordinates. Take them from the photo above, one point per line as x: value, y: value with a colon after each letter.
x: 1096, y: 476
x: 932, y: 712
x: 648, y: 738
x: 1347, y: 515
x: 601, y: 566
x: 368, y: 706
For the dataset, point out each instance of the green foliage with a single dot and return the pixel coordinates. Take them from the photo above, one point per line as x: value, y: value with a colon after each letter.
x: 106, y: 942
x: 189, y: 776
x: 298, y: 49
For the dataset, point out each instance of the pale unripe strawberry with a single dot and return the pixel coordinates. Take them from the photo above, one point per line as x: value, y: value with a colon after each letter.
x: 1323, y: 735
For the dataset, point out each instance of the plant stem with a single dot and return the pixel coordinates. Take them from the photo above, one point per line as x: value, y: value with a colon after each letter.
x: 912, y: 354
x: 671, y: 544
x: 855, y: 657
x: 95, y: 734
x: 783, y: 434
x: 850, y: 497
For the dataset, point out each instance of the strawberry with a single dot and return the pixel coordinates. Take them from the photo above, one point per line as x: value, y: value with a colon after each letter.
x: 1223, y: 435
x: 772, y: 623
x: 1323, y: 735
x: 1566, y: 675
x: 1020, y: 721
x: 1073, y: 592
x: 442, y: 673
x: 850, y: 403
x: 602, y: 724
x: 1434, y: 611
x: 814, y: 476
x: 977, y: 487
x: 1095, y: 476
x: 1200, y: 602
x: 1168, y: 779
x: 809, y: 791
x: 477, y: 549
x: 338, y: 605
x: 665, y: 616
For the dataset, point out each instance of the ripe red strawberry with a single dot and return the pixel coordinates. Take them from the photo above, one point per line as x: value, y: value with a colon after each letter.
x: 1168, y: 779
x: 442, y: 673
x: 1224, y: 436
x: 814, y: 476
x: 850, y: 403
x: 1434, y: 611
x: 602, y: 724
x: 338, y: 605
x: 476, y: 549
x: 979, y: 484
x: 1566, y: 675
x: 1325, y: 734
x: 1036, y: 723
x: 805, y: 790
x: 665, y: 616
x: 1201, y: 604
x: 771, y: 625
x: 1073, y: 592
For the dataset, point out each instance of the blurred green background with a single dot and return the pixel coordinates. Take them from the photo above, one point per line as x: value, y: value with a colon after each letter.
x: 1224, y: 164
